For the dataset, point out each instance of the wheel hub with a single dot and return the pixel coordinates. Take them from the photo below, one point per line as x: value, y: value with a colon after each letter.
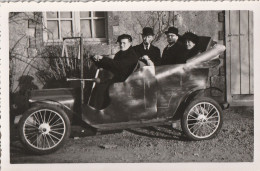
x: 44, y: 128
x: 202, y: 118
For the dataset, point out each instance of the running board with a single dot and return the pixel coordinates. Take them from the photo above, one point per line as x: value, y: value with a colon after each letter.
x: 132, y: 124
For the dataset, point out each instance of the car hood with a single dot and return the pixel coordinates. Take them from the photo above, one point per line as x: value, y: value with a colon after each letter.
x: 65, y: 96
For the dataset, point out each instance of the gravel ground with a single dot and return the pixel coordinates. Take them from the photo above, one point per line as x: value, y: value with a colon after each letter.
x: 234, y: 143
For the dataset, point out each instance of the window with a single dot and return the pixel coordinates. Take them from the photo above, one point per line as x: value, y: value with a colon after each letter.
x: 59, y: 24
x: 90, y: 24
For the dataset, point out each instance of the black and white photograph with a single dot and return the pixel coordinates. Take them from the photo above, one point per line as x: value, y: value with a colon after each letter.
x: 130, y: 86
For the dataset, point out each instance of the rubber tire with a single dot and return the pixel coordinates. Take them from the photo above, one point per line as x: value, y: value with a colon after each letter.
x: 184, y: 124
x: 32, y: 110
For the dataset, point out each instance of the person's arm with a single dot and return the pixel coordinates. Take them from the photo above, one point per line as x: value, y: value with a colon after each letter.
x: 163, y: 59
x: 158, y: 57
x: 106, y: 63
x: 119, y: 66
x: 110, y: 64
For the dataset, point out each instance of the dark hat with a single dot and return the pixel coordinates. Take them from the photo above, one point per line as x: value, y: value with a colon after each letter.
x: 147, y: 31
x: 191, y: 36
x: 173, y: 30
x: 124, y: 36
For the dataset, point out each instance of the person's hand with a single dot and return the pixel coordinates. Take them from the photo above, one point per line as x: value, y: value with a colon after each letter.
x: 145, y: 57
x: 97, y: 58
x: 148, y: 60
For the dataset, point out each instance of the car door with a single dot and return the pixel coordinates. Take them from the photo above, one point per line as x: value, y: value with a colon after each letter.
x: 136, y: 98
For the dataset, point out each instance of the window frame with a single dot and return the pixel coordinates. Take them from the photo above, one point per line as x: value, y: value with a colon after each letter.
x: 75, y: 26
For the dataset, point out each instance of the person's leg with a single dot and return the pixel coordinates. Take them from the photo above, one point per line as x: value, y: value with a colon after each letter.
x: 100, y: 95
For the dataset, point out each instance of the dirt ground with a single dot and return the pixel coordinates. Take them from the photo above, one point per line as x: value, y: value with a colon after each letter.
x: 234, y: 143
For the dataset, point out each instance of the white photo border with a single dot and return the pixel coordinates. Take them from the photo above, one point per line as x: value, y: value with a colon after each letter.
x: 5, y: 8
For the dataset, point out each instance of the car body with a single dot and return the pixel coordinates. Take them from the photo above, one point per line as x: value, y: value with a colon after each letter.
x: 151, y: 95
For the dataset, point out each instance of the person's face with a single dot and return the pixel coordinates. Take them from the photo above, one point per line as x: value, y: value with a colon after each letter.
x: 172, y: 38
x: 147, y: 39
x: 124, y: 44
x: 189, y: 44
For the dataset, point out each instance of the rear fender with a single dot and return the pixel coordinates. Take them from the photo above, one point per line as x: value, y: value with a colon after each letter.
x: 200, y: 93
x: 207, y: 93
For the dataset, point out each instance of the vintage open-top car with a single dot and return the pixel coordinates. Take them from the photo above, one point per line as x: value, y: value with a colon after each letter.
x: 151, y: 95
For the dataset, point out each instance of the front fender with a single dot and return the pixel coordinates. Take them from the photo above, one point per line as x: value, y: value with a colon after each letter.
x: 65, y: 108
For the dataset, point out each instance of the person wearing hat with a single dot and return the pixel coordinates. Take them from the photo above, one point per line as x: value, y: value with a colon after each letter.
x: 146, y: 51
x: 124, y: 61
x: 191, y: 41
x: 174, y: 52
x: 121, y: 66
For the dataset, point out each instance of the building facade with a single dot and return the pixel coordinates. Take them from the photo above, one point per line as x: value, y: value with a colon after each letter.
x: 35, y: 37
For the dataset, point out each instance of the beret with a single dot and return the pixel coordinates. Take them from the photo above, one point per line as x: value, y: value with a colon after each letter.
x: 124, y: 36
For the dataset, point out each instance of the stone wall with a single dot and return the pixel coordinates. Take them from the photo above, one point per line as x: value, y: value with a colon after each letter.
x: 25, y: 39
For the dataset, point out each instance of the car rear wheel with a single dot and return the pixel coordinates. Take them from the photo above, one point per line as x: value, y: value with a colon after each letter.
x: 44, y: 128
x: 202, y: 119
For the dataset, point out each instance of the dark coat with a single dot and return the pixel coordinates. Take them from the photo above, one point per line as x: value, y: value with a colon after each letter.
x: 122, y: 65
x: 153, y: 53
x: 174, y: 54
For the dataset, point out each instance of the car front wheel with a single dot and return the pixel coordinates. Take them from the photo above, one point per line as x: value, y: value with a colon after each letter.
x: 44, y: 128
x: 202, y: 119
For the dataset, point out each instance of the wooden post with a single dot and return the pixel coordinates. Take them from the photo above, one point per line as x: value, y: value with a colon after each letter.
x: 82, y: 69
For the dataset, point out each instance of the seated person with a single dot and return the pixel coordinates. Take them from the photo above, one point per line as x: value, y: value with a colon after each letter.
x: 191, y: 41
x: 174, y: 52
x: 124, y: 61
x: 148, y: 53
x: 121, y: 66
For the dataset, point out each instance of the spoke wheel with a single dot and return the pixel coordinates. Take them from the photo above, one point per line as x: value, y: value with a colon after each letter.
x: 43, y: 129
x: 202, y: 119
